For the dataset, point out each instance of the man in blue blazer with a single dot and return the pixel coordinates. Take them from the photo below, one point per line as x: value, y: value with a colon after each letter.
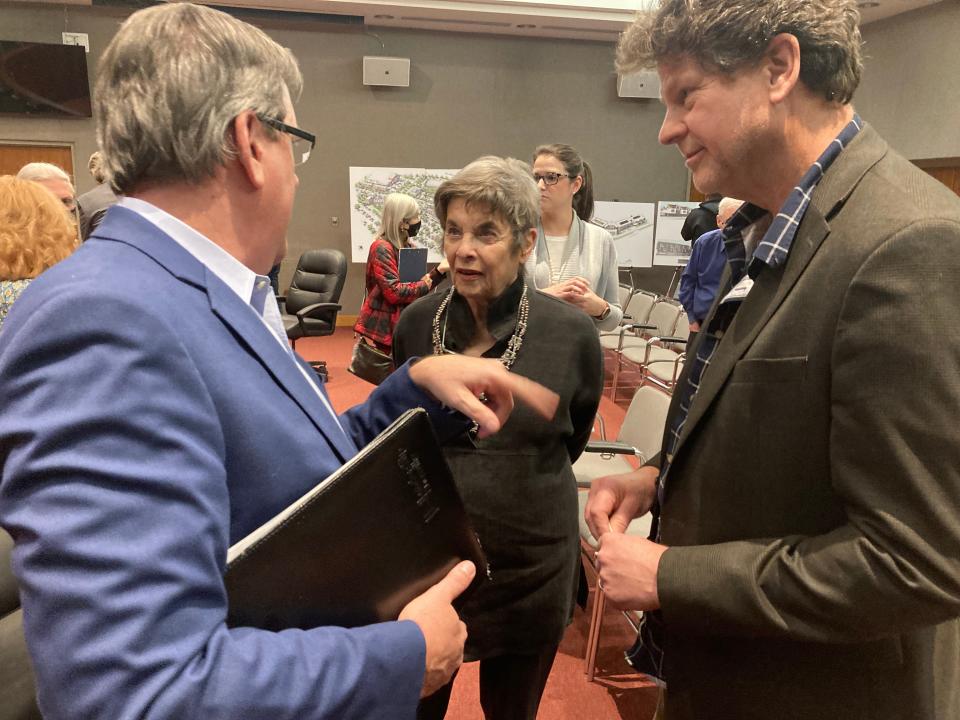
x: 153, y: 414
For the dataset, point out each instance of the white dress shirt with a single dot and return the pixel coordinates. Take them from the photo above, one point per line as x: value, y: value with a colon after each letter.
x: 254, y: 290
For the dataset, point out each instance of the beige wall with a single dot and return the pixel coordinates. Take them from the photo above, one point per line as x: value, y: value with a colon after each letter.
x: 469, y: 95
x: 476, y: 94
x: 911, y: 86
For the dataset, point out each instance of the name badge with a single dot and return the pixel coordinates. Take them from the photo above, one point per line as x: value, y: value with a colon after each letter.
x: 739, y: 291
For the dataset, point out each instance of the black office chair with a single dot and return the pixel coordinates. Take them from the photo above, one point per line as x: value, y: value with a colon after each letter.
x: 16, y: 673
x: 311, y: 304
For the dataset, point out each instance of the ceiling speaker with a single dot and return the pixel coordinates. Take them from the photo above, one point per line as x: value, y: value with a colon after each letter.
x: 645, y: 84
x: 388, y: 71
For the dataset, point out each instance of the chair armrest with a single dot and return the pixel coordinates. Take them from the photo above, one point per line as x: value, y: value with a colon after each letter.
x: 611, y: 447
x: 654, y: 342
x: 623, y: 329
x: 608, y: 449
x: 314, y: 310
x: 668, y: 339
x: 317, y: 309
x: 681, y: 358
x: 601, y: 425
x: 630, y: 326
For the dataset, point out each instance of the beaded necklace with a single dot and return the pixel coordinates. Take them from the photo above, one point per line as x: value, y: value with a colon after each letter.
x: 513, y: 346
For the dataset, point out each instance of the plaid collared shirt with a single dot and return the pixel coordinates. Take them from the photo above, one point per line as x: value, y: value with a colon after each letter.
x: 771, y: 251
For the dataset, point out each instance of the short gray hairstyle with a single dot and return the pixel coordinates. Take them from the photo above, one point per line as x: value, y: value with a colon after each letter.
x: 727, y: 35
x: 170, y: 84
x: 503, y: 186
x: 728, y: 206
x: 40, y: 171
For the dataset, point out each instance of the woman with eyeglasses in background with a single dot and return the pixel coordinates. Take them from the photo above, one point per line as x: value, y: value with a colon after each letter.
x: 573, y: 260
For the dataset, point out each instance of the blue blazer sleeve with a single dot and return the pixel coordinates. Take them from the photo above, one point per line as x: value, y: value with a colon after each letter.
x: 389, y: 400
x: 116, y: 491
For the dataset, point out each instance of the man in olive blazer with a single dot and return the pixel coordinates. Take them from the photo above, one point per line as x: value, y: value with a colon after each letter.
x: 807, y: 561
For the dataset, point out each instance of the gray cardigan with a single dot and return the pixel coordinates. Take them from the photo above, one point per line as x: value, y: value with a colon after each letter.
x: 598, y: 265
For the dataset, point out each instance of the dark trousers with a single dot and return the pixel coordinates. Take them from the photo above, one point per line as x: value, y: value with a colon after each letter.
x: 510, y: 688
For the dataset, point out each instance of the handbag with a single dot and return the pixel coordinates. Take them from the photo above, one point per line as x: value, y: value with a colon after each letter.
x: 370, y: 364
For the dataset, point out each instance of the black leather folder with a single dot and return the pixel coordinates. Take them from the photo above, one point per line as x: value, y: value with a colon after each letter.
x: 360, y: 545
x: 412, y: 264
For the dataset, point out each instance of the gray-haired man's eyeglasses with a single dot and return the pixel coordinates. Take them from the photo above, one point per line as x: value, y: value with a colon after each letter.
x: 303, y: 142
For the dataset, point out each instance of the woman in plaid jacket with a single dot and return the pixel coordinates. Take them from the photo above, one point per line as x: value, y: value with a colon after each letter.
x: 386, y: 296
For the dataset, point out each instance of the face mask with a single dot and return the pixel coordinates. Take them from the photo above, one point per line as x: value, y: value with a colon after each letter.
x: 414, y: 229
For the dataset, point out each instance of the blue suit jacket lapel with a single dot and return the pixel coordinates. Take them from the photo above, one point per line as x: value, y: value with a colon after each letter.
x: 126, y: 226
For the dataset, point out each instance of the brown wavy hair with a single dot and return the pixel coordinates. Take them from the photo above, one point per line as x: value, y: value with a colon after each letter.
x: 35, y: 231
x: 575, y: 166
x: 727, y: 35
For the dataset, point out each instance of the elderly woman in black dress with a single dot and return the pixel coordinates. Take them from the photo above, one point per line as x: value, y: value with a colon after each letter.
x: 518, y: 486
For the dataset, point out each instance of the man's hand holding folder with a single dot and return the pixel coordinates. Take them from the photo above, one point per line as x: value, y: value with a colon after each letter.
x: 293, y: 572
x: 443, y: 630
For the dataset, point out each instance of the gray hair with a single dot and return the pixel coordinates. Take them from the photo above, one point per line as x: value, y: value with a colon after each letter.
x: 728, y: 206
x: 40, y: 171
x: 96, y: 168
x: 396, y: 208
x: 727, y: 35
x: 503, y: 186
x: 170, y: 84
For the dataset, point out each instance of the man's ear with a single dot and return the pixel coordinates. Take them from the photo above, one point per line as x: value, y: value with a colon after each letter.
x: 249, y: 139
x: 781, y: 64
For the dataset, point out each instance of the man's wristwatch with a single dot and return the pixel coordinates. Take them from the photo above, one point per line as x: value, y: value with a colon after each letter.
x: 604, y: 315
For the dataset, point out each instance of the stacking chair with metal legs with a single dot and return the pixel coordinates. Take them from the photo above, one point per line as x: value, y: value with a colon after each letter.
x: 641, y: 436
x: 588, y: 549
x: 659, y: 328
x: 661, y: 359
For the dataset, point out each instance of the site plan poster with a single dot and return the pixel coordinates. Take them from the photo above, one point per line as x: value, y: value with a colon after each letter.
x: 631, y: 225
x: 369, y: 187
x: 669, y: 248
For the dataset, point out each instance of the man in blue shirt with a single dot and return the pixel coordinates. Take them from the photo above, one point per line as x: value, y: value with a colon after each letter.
x: 153, y: 413
x: 701, y: 276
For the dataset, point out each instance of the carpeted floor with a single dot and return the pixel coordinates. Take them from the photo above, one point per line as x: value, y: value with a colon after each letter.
x: 616, y: 692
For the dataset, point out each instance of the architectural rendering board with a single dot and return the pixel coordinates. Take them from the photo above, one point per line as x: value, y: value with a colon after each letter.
x: 631, y: 225
x: 669, y: 248
x: 369, y: 187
